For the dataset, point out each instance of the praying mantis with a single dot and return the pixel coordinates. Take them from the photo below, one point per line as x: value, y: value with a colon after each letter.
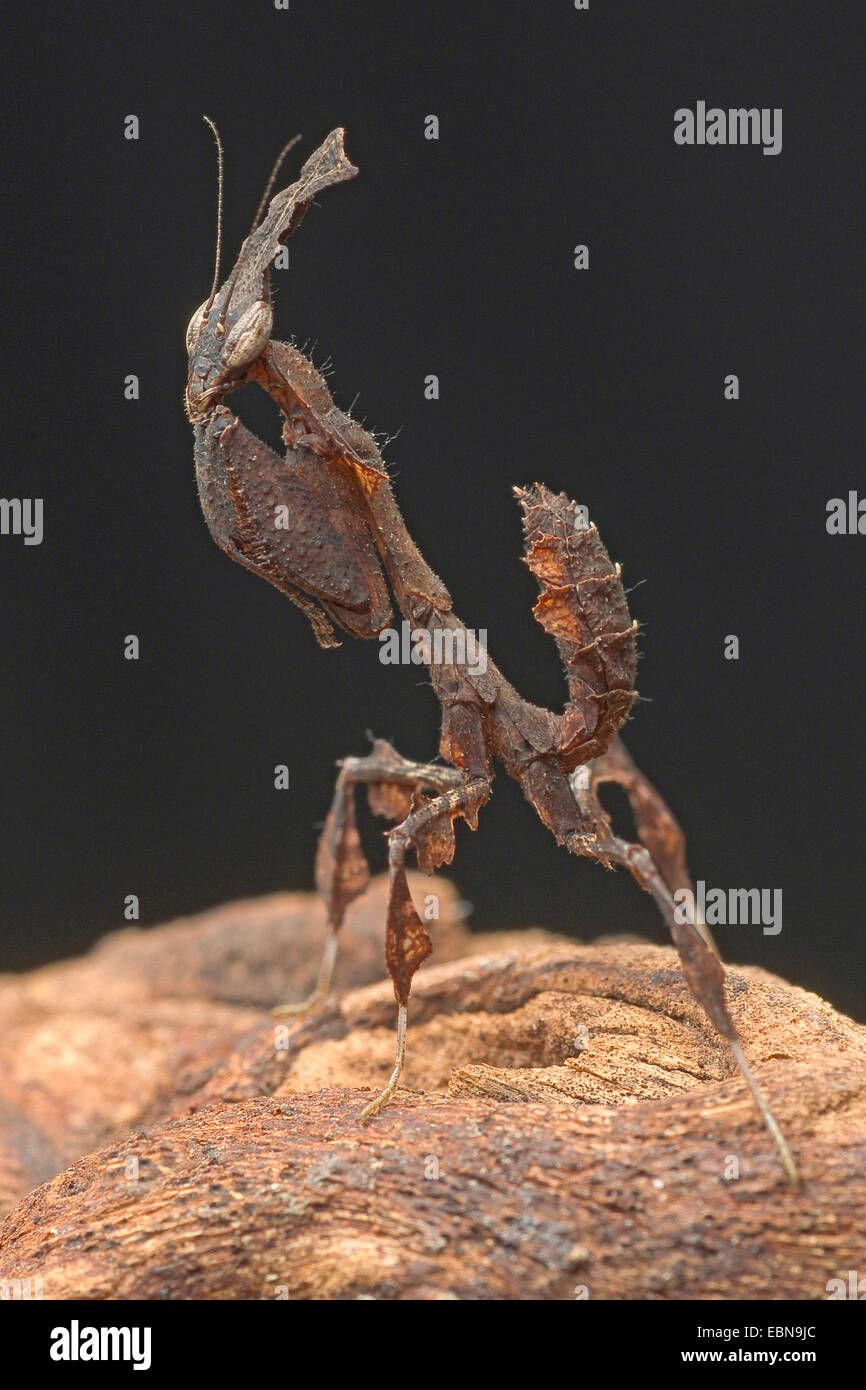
x: 323, y: 526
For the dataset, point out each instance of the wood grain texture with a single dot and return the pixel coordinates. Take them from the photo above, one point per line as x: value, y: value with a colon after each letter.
x: 570, y: 1127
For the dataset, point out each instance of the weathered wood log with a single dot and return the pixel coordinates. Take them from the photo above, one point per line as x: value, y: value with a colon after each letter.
x: 577, y: 1129
x: 92, y: 1046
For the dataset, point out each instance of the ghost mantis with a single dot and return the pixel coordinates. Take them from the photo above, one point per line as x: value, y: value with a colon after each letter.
x: 321, y: 523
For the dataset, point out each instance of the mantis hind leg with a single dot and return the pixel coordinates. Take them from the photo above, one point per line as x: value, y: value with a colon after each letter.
x: 342, y: 871
x: 429, y: 830
x: 657, y: 827
x: 702, y: 968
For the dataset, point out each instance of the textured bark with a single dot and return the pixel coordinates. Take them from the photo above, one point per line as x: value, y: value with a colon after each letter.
x: 575, y: 1130
x: 92, y: 1046
x: 124, y: 1035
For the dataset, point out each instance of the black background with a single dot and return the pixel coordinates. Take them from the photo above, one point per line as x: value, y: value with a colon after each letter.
x: 451, y: 257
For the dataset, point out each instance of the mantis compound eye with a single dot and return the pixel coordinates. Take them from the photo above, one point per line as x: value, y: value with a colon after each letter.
x: 194, y: 326
x: 248, y: 337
